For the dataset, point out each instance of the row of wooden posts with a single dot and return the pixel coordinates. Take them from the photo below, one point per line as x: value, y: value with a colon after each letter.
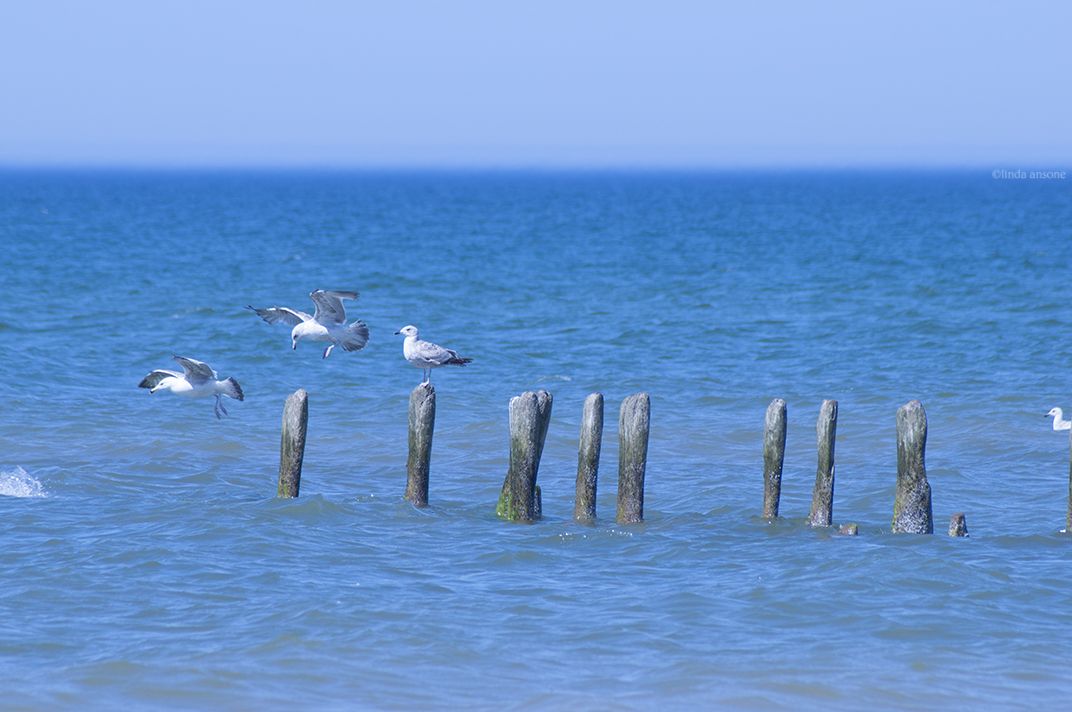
x: 912, y: 500
x: 530, y: 414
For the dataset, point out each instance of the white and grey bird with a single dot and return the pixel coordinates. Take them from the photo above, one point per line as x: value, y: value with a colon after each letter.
x: 426, y: 355
x: 1059, y: 422
x: 197, y: 380
x: 327, y: 324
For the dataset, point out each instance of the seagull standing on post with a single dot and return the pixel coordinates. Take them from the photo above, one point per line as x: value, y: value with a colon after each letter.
x: 327, y: 324
x: 1059, y: 422
x: 425, y: 355
x: 197, y: 380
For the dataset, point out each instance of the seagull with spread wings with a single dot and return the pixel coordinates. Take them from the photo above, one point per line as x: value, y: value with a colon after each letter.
x: 327, y: 324
x: 197, y: 380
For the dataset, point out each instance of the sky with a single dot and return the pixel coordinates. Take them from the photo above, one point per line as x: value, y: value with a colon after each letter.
x: 516, y: 84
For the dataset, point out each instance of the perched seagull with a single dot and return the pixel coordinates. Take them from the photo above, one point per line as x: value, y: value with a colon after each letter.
x: 327, y: 324
x: 1059, y: 422
x: 426, y: 355
x: 198, y: 380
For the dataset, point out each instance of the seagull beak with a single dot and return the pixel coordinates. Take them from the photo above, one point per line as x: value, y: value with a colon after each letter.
x: 397, y: 333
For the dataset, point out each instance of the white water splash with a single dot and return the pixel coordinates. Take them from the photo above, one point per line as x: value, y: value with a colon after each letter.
x: 17, y: 483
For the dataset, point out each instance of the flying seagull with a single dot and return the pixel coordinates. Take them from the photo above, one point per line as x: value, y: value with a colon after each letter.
x: 327, y: 324
x: 426, y: 355
x: 198, y: 380
x: 1059, y: 422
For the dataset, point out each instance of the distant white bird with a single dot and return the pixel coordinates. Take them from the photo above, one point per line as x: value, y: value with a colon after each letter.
x: 426, y: 355
x: 198, y: 380
x: 1059, y: 422
x: 327, y: 324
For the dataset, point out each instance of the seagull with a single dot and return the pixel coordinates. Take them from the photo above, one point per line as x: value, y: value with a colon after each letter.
x: 1059, y: 422
x: 426, y: 355
x: 327, y: 324
x: 198, y: 380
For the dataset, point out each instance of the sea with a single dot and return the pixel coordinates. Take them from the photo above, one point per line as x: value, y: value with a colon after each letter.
x: 146, y: 562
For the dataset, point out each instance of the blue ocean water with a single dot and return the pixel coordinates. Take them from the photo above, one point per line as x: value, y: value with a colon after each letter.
x: 145, y: 562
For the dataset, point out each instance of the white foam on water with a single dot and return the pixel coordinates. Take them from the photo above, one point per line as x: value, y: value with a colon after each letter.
x: 18, y: 483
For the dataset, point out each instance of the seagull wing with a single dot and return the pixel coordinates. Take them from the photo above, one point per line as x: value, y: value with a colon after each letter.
x: 153, y: 379
x: 329, y: 308
x: 290, y: 317
x: 433, y: 353
x: 196, y: 371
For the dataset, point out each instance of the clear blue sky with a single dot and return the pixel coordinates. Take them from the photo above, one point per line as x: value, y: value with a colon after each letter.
x: 548, y: 83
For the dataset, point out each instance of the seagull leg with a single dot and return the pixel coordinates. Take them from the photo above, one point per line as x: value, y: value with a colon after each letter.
x: 328, y: 350
x: 217, y: 407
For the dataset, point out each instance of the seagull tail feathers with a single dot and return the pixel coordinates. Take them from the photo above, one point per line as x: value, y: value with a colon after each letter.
x: 232, y: 389
x: 357, y: 336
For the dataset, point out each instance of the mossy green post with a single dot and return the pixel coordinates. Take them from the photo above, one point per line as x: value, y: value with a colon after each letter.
x: 421, y: 426
x: 822, y: 498
x: 958, y: 526
x: 633, y: 423
x: 530, y: 414
x: 292, y: 445
x: 773, y: 456
x: 912, y: 506
x: 584, y: 506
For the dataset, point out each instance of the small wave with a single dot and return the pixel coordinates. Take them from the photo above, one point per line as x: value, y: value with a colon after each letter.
x: 18, y: 483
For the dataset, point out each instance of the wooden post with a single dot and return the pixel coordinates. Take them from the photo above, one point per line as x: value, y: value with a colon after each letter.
x: 530, y: 414
x: 822, y: 498
x: 421, y: 425
x: 584, y: 506
x: 958, y: 526
x: 773, y: 456
x: 912, y: 506
x: 633, y: 422
x: 1068, y: 516
x: 292, y: 446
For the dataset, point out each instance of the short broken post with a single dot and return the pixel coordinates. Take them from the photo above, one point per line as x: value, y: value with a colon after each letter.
x: 958, y: 526
x: 822, y: 498
x: 633, y: 423
x: 773, y: 456
x: 292, y: 446
x: 530, y: 414
x: 912, y: 505
x: 584, y: 505
x: 421, y: 425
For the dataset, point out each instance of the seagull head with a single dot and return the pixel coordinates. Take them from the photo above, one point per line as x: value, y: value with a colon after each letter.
x: 407, y: 331
x: 1055, y: 412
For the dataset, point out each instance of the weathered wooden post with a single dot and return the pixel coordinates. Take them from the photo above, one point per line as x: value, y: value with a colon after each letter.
x: 773, y: 456
x: 292, y: 445
x: 912, y: 506
x: 1068, y: 516
x: 822, y: 498
x: 584, y: 506
x: 633, y: 422
x: 421, y: 425
x: 530, y: 414
x: 958, y: 526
